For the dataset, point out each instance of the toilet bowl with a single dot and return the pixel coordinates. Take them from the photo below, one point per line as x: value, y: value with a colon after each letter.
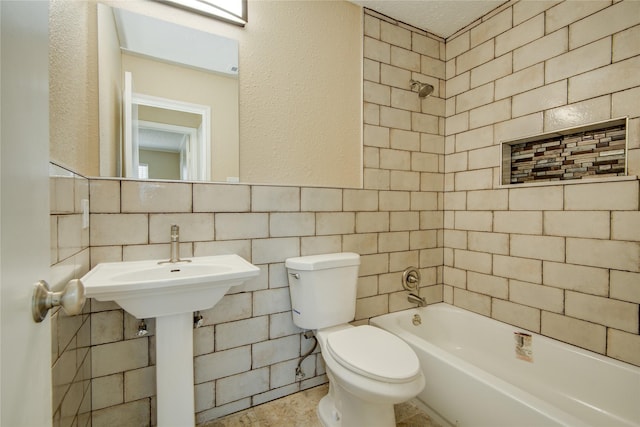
x: 369, y: 369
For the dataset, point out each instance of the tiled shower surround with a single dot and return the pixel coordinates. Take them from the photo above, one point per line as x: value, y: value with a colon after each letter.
x: 562, y: 260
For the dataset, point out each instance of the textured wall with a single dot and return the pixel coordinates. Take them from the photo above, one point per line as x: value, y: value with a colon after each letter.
x: 300, y: 94
x: 73, y: 86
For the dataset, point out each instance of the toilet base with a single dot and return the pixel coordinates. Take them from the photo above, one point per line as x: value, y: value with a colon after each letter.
x: 327, y: 412
x: 339, y: 408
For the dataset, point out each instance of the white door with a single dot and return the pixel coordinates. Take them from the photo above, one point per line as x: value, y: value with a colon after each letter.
x: 25, y: 346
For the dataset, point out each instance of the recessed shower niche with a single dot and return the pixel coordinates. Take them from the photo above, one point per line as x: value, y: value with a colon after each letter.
x: 597, y: 150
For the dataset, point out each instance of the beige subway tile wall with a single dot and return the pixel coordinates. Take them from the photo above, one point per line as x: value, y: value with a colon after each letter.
x: 249, y: 338
x: 71, y: 335
x: 564, y: 259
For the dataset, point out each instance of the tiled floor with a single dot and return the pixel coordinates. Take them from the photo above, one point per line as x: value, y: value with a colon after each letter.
x: 299, y: 410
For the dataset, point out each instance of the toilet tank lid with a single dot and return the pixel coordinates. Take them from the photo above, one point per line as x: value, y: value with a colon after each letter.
x: 321, y: 262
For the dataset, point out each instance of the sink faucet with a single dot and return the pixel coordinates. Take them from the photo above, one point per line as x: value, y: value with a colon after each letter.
x: 175, y: 247
x: 175, y: 243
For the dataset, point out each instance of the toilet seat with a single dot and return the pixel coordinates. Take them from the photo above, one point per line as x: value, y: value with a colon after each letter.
x: 374, y: 353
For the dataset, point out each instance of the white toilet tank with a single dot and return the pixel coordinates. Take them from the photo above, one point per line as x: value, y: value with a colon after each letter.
x: 323, y: 289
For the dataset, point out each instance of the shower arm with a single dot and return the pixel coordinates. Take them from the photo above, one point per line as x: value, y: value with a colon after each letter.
x: 424, y: 89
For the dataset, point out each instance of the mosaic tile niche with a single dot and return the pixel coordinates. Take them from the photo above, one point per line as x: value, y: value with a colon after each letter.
x: 597, y: 150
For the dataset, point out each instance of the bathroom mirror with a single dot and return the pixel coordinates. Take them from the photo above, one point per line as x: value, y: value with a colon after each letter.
x: 179, y: 102
x: 298, y: 100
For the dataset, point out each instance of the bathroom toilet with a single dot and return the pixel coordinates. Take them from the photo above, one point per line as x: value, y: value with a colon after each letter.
x: 369, y: 369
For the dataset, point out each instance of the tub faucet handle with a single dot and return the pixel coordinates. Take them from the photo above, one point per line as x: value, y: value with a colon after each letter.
x: 411, y: 279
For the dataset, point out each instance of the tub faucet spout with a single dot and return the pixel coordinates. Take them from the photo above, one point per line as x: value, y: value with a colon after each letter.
x: 416, y: 299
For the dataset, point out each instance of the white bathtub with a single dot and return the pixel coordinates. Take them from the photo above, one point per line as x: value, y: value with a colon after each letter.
x: 474, y: 378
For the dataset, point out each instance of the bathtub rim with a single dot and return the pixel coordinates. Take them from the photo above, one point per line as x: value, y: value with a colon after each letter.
x: 553, y: 341
x: 557, y: 413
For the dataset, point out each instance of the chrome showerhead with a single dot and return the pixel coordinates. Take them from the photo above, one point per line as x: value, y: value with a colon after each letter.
x: 424, y: 89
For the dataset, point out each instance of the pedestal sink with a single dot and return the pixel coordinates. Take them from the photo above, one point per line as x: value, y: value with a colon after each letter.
x: 170, y: 292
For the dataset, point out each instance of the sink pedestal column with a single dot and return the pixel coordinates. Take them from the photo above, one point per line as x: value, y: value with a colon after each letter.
x: 174, y: 370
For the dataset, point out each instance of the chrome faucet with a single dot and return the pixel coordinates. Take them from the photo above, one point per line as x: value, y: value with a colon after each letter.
x: 416, y: 299
x: 411, y: 282
x: 175, y: 243
x: 175, y: 247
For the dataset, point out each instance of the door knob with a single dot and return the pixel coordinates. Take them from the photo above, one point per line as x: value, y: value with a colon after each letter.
x: 71, y: 299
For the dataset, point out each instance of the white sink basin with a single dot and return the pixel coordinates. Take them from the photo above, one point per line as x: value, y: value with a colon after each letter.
x: 170, y: 292
x: 148, y: 289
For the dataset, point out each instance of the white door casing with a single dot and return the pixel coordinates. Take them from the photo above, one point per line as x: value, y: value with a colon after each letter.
x: 129, y: 138
x: 25, y: 346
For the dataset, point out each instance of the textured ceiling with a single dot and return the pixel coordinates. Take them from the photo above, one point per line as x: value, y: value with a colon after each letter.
x: 439, y: 17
